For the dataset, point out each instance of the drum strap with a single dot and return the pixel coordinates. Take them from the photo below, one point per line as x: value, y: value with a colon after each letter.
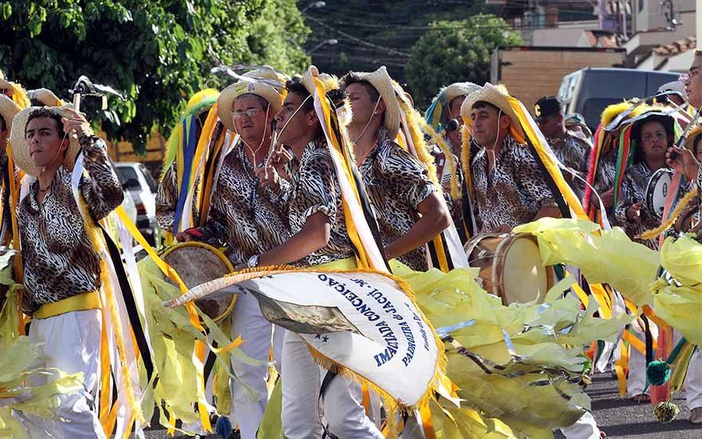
x: 560, y: 201
x: 130, y: 304
x: 328, y: 378
x: 648, y: 338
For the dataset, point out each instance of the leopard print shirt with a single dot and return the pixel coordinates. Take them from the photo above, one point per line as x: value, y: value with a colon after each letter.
x: 167, y: 199
x: 242, y: 215
x: 573, y: 152
x: 396, y: 183
x: 633, y: 190
x: 6, y: 221
x: 59, y: 260
x: 455, y: 206
x: 513, y: 193
x: 315, y: 188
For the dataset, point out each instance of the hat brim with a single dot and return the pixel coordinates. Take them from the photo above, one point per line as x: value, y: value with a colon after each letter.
x: 458, y: 89
x: 692, y: 135
x: 493, y: 95
x: 225, y: 102
x: 381, y: 81
x: 20, y: 148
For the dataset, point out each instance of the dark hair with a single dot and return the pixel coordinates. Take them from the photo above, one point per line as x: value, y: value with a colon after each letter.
x: 3, y: 123
x: 296, y: 86
x: 50, y: 113
x: 477, y: 105
x: 353, y: 78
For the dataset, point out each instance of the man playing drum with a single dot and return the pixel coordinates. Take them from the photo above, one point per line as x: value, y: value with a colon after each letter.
x: 406, y: 202
x: 249, y: 221
x: 320, y: 238
x: 509, y: 187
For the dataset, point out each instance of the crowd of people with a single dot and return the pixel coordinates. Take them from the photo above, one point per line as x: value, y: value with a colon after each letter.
x: 315, y: 172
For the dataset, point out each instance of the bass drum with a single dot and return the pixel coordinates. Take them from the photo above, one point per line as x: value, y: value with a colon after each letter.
x: 197, y: 263
x: 510, y: 267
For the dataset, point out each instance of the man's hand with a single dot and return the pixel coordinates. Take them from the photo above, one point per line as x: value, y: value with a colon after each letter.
x: 633, y: 213
x: 607, y: 198
x: 268, y: 176
x: 683, y: 161
x: 74, y: 122
x: 184, y: 237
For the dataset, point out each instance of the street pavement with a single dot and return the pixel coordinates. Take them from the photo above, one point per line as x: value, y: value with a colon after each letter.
x: 619, y: 418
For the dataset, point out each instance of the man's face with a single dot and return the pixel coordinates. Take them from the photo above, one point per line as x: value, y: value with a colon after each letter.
x: 485, y: 127
x: 455, y: 108
x: 362, y: 106
x: 551, y: 125
x: 44, y: 142
x: 693, y: 83
x: 654, y: 140
x: 292, y: 124
x: 250, y: 118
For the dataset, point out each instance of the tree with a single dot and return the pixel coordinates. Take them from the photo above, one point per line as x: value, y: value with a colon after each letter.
x: 453, y: 51
x: 157, y: 52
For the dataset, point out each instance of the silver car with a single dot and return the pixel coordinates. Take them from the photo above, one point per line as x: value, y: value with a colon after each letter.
x: 142, y: 187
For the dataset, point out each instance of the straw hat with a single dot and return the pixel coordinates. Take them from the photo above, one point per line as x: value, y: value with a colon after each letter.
x: 457, y: 89
x: 495, y: 95
x: 264, y: 81
x: 45, y: 97
x: 692, y: 135
x: 20, y: 148
x: 381, y: 81
x: 673, y: 87
x: 8, y: 110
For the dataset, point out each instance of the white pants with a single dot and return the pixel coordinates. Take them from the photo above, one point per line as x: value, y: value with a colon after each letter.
x: 249, y: 392
x: 584, y: 428
x: 71, y: 343
x: 343, y: 409
x: 693, y: 381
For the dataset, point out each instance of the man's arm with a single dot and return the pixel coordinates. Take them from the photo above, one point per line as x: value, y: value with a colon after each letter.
x: 313, y: 236
x: 166, y: 199
x: 102, y: 189
x: 433, y: 220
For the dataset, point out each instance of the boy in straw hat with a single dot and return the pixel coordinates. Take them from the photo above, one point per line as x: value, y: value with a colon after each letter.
x: 509, y: 187
x: 320, y: 238
x: 249, y: 220
x: 406, y: 202
x: 62, y: 269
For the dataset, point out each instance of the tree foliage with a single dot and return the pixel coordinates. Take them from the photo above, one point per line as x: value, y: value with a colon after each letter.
x: 453, y: 51
x: 156, y: 52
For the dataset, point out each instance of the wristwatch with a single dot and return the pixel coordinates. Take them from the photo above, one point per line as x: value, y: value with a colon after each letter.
x: 252, y: 262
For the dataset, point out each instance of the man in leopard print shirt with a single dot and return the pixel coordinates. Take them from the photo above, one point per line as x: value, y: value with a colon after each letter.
x: 509, y: 187
x: 320, y: 237
x: 62, y: 269
x: 248, y: 220
x: 406, y: 202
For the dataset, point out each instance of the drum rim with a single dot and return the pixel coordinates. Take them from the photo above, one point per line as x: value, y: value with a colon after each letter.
x: 652, y: 181
x: 498, y: 271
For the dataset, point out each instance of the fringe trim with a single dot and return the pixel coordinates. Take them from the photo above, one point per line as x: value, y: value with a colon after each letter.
x: 415, y: 120
x: 651, y: 234
x: 465, y: 158
x: 450, y: 163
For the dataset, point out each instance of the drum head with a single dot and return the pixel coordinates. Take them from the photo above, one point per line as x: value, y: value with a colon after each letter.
x: 657, y: 191
x: 197, y: 263
x: 523, y: 276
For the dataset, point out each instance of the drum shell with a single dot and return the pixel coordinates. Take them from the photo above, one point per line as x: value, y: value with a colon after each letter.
x: 501, y: 268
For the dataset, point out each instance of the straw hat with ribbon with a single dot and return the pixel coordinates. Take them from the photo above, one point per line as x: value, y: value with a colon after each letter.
x: 435, y: 115
x: 20, y: 148
x: 8, y: 110
x: 497, y: 96
x: 381, y: 81
x: 691, y: 136
x: 264, y: 81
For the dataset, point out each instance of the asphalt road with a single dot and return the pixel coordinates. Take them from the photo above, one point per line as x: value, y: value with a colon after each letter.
x: 619, y: 418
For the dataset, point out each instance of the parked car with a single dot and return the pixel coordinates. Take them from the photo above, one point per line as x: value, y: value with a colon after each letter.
x: 142, y: 187
x: 589, y: 91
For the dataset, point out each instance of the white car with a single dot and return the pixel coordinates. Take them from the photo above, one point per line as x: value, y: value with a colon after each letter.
x: 142, y: 187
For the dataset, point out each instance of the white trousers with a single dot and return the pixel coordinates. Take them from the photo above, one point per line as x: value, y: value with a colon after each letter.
x: 584, y: 428
x: 71, y: 343
x: 693, y: 381
x: 249, y: 392
x: 343, y: 408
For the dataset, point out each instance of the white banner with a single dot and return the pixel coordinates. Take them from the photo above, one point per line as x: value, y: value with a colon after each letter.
x: 360, y: 320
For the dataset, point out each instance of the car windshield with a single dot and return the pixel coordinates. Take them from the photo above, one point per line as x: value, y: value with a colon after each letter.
x: 128, y: 177
x: 149, y: 179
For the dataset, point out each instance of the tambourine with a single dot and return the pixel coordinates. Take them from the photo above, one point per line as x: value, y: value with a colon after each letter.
x: 657, y: 191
